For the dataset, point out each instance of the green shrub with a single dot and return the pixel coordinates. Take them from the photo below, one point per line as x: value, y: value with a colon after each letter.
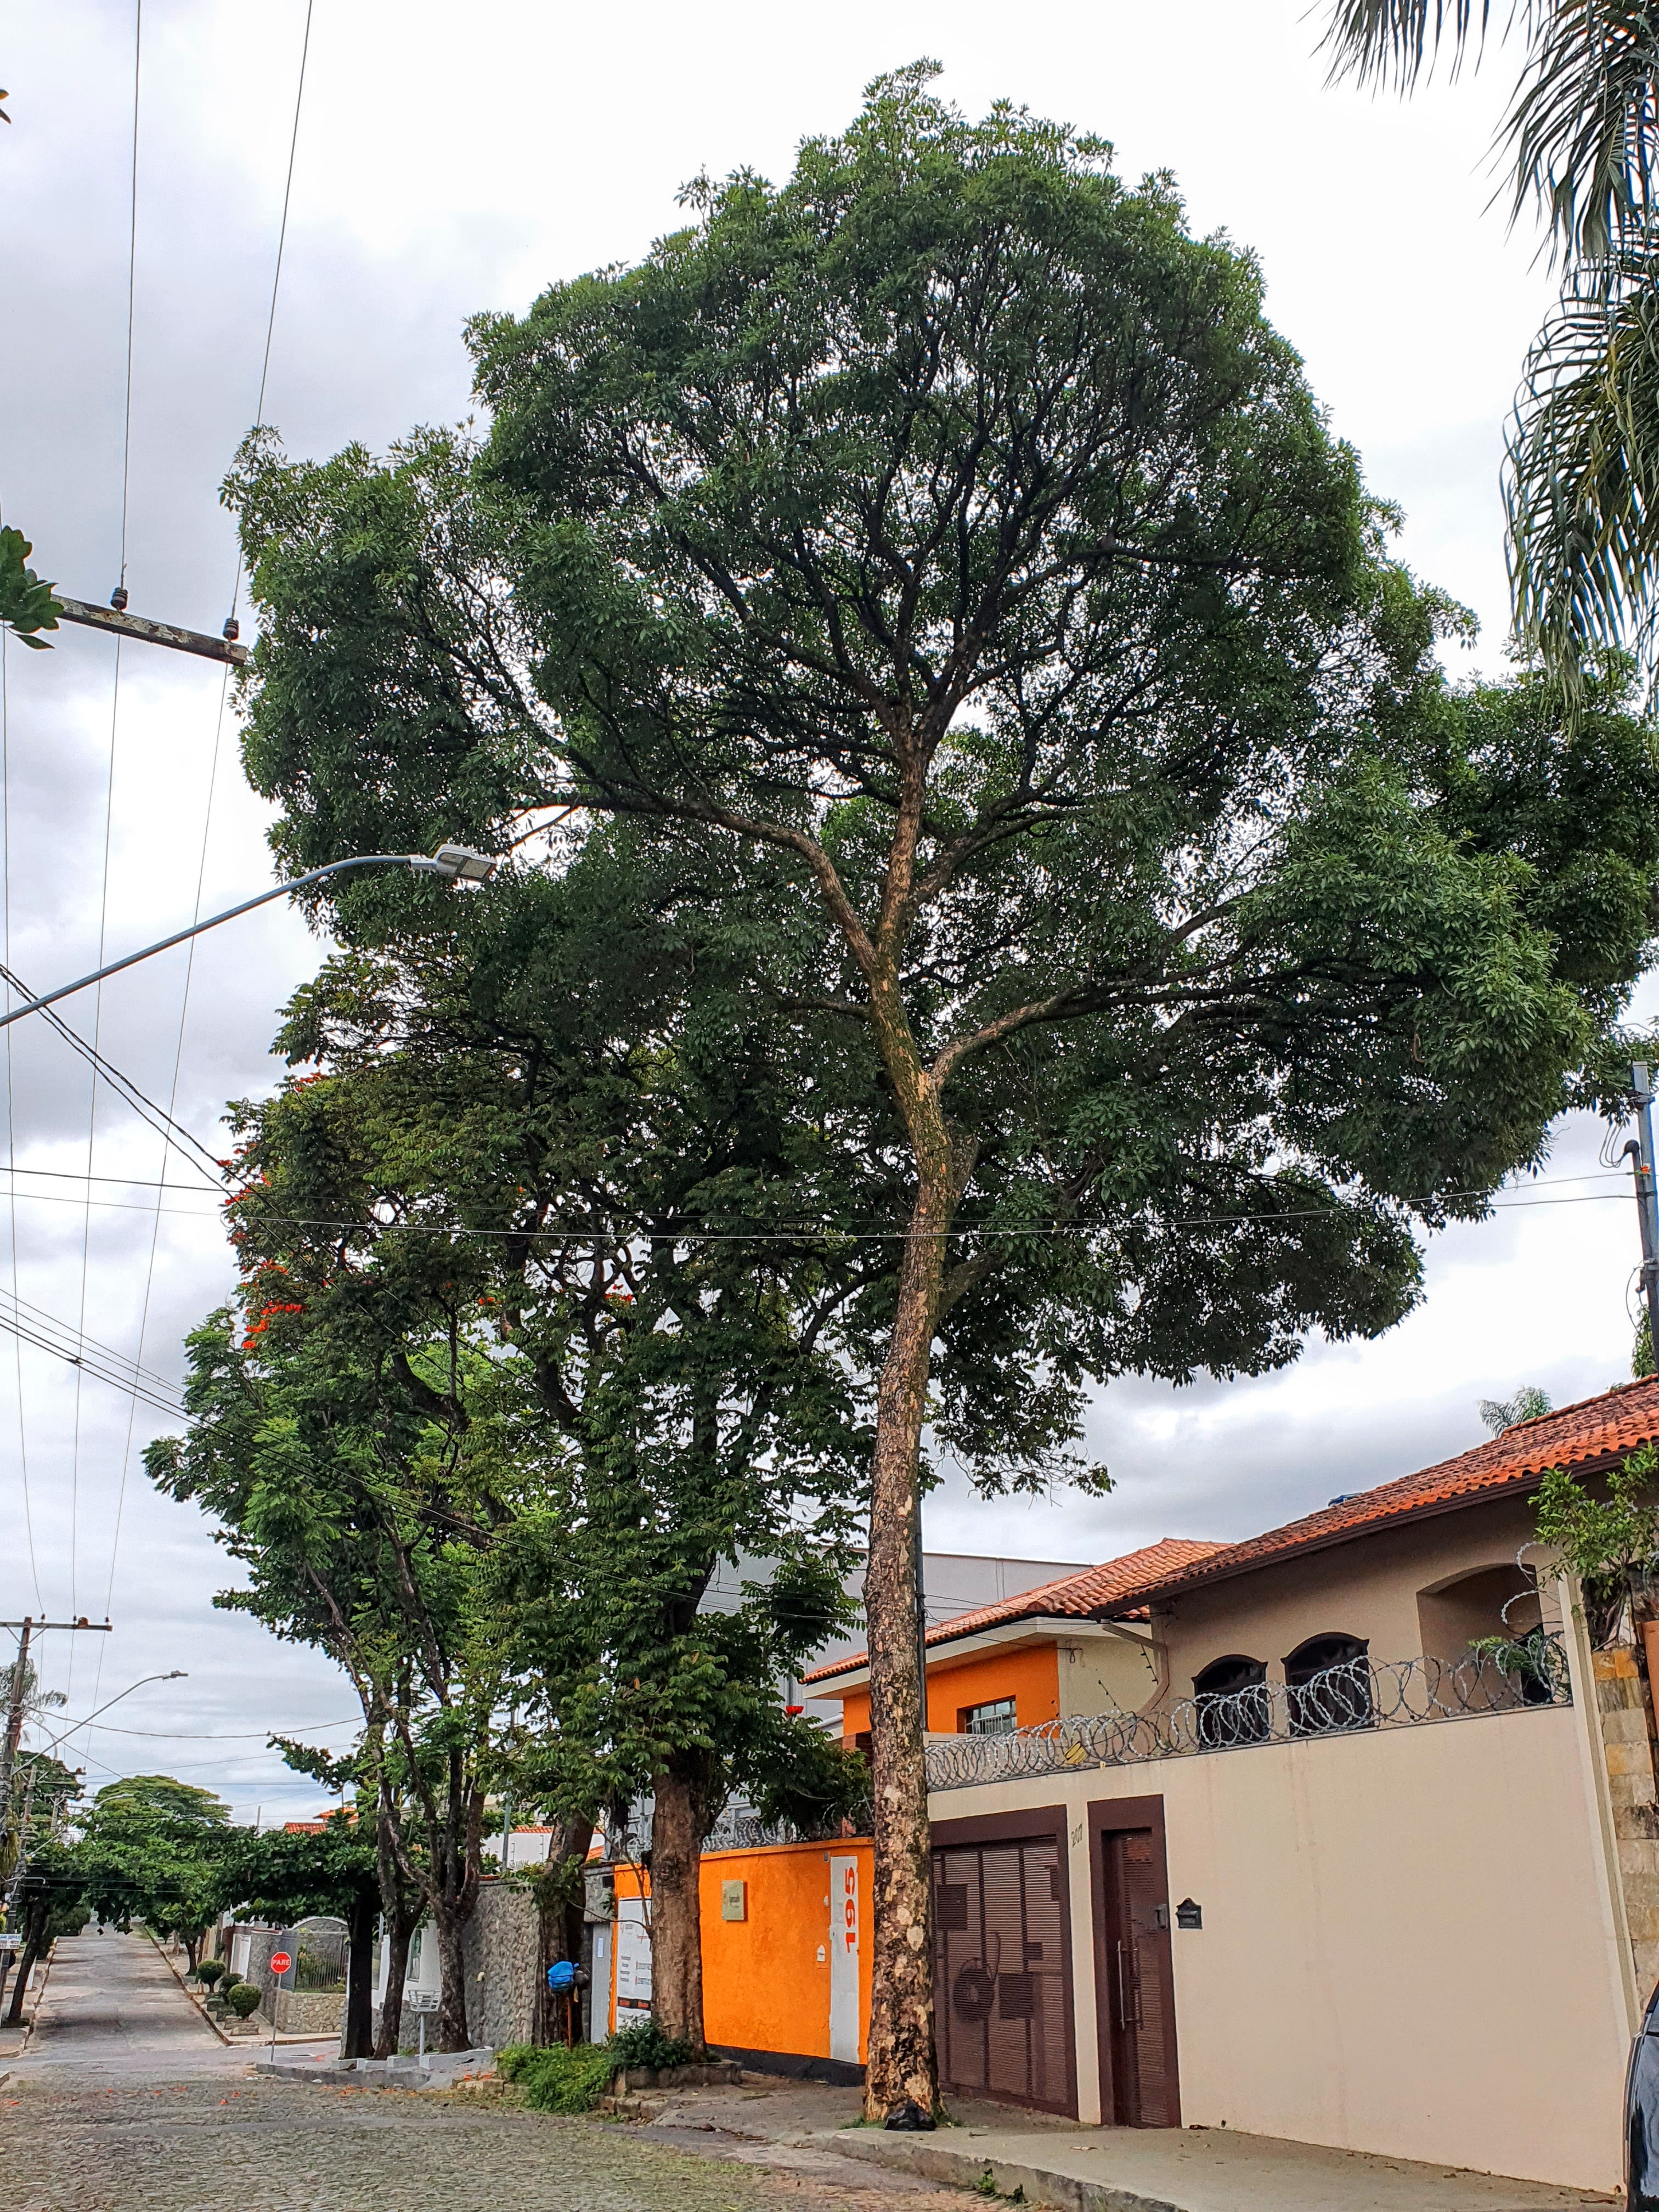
x: 243, y: 1999
x: 556, y: 2080
x: 229, y: 1982
x: 644, y: 2044
x: 210, y: 1971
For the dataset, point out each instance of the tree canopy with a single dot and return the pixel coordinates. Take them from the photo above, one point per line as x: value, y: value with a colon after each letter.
x: 946, y: 571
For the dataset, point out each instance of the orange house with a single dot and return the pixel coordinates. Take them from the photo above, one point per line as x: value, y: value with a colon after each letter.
x: 1038, y: 1656
x: 786, y: 1961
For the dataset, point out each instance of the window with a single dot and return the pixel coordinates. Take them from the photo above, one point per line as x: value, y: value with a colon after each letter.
x: 1329, y: 1685
x: 996, y: 1718
x: 1231, y: 1702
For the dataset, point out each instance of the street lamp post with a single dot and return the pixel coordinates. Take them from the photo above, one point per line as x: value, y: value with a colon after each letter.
x: 449, y: 862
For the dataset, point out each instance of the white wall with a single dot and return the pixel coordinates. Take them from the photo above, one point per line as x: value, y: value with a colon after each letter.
x: 1405, y: 1945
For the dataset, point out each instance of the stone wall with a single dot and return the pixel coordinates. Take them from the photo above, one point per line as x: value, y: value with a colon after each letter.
x: 502, y: 1949
x: 309, y: 2012
x: 1626, y: 1715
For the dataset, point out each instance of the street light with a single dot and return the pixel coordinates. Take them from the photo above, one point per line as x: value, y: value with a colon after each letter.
x: 449, y: 862
x: 178, y: 1675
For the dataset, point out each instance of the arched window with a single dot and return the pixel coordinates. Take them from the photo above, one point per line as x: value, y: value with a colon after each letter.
x: 1329, y: 1685
x: 1231, y: 1702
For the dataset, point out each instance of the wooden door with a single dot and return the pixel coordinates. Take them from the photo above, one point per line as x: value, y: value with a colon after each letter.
x: 1139, y: 1995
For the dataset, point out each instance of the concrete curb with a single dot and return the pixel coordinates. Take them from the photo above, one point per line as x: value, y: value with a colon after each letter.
x: 40, y: 1999
x: 932, y: 2161
x: 200, y: 2011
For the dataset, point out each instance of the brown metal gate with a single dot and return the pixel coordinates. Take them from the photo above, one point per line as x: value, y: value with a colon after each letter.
x: 1134, y: 1987
x: 1002, y: 1979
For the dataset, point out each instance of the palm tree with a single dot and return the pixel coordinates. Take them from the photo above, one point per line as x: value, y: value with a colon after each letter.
x: 1580, y: 138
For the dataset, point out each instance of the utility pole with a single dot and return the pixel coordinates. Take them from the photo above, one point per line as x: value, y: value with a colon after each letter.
x: 27, y: 1629
x: 1647, y: 1197
x: 14, y: 1722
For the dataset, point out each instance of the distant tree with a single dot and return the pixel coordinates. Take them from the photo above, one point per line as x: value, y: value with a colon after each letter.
x: 946, y: 535
x: 1528, y: 1403
x: 282, y: 1874
x: 155, y: 1849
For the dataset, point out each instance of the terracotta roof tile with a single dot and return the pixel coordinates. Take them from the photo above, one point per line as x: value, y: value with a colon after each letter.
x: 1594, y: 1430
x: 1084, y: 1596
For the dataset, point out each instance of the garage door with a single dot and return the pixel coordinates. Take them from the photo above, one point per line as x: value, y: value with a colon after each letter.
x: 1000, y: 1987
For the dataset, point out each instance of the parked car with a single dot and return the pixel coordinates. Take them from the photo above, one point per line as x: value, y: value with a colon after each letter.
x: 1642, y: 2115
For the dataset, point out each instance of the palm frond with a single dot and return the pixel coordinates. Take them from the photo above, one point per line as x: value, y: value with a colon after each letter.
x: 1583, y: 129
x: 1582, y: 483
x: 1388, y: 41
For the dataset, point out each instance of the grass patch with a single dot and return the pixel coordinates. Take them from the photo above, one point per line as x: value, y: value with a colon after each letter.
x: 556, y: 2080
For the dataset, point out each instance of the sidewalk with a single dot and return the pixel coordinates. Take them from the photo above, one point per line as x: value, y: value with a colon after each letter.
x: 1055, y: 2163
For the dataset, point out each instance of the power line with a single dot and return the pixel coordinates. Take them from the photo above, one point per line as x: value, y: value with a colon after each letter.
x: 183, y: 1140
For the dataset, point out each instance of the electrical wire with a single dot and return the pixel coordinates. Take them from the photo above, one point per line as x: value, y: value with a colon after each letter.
x: 109, y: 816
x: 182, y: 1141
x: 11, y: 1132
x: 135, y: 1396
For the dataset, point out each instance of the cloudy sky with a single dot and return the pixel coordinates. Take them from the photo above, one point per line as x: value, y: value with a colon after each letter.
x: 441, y: 169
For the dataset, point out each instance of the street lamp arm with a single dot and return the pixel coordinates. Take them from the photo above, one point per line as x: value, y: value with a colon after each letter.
x: 178, y: 1675
x: 449, y: 861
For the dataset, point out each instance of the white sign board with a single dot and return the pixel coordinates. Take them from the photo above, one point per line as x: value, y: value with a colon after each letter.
x: 421, y: 2000
x: 632, y: 1961
x: 844, y: 1960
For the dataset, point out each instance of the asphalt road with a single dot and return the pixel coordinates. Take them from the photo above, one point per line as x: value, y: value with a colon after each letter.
x: 127, y: 2102
x: 112, y: 2005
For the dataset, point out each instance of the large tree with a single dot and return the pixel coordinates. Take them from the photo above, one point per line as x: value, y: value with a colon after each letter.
x: 339, y: 1453
x: 946, y: 535
x: 516, y: 1130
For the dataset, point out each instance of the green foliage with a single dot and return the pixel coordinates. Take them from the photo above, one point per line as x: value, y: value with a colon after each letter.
x: 161, y: 1794
x: 1641, y: 1357
x: 643, y: 2043
x: 210, y: 1971
x: 1611, y: 1544
x: 228, y: 1981
x: 27, y: 603
x: 1206, y: 1106
x: 558, y: 2080
x: 1529, y: 1403
x: 243, y: 1999
x: 1583, y: 457
x: 157, y: 1851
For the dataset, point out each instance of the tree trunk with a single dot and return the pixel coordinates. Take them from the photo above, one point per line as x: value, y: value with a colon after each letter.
x: 902, y: 2078
x: 193, y: 1945
x: 400, y: 1927
x: 559, y: 1896
x: 33, y: 1944
x: 448, y: 1926
x: 678, y: 1828
x: 358, y: 2027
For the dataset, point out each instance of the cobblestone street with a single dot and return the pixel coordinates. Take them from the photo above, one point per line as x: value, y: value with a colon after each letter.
x: 125, y: 2103
x: 283, y: 2146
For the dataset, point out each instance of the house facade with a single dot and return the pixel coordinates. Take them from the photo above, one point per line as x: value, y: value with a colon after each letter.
x: 1246, y: 1835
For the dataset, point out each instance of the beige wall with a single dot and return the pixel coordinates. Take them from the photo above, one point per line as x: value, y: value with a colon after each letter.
x: 1368, y: 1587
x: 1104, y: 1674
x: 1406, y: 1947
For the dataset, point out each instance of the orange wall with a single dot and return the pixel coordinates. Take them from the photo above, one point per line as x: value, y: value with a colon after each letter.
x: 765, y: 1986
x: 765, y: 1979
x: 1029, y: 1675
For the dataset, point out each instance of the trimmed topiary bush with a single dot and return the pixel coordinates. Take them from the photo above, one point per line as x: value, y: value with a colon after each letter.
x: 556, y: 2080
x: 243, y: 1999
x: 210, y: 1971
